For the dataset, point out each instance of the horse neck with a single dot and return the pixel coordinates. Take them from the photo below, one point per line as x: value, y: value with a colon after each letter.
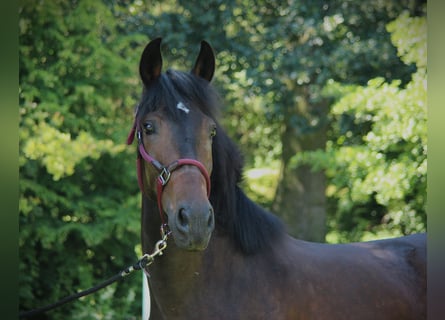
x: 180, y: 279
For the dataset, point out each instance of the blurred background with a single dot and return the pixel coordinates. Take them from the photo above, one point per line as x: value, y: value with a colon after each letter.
x: 326, y: 99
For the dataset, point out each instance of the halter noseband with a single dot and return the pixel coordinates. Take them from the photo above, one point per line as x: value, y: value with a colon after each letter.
x: 164, y: 171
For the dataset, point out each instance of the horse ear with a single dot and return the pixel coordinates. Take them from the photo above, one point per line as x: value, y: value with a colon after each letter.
x: 151, y: 62
x: 205, y: 63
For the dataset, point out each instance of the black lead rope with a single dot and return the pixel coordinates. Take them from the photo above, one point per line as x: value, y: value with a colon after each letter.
x: 145, y: 260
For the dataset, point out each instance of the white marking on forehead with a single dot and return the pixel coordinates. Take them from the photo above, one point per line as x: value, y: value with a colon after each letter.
x: 182, y: 107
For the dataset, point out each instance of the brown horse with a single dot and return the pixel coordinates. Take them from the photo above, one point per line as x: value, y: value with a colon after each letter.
x: 231, y: 259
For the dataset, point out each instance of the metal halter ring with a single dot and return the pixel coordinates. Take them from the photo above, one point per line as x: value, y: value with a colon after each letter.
x: 164, y: 176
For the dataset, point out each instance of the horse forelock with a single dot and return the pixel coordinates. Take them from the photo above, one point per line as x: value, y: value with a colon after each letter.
x: 177, y: 87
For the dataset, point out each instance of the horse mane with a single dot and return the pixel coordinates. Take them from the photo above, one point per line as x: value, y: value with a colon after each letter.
x: 251, y: 228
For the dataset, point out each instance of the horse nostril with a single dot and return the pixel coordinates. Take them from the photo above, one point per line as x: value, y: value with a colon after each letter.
x: 210, y: 221
x: 183, y: 217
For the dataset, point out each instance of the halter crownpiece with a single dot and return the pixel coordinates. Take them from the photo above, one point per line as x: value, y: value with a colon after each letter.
x: 164, y: 171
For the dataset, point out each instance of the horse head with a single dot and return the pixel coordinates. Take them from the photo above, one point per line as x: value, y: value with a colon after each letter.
x: 175, y: 130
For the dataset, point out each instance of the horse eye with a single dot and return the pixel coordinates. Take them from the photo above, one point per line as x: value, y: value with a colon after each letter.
x: 149, y: 128
x: 212, y: 132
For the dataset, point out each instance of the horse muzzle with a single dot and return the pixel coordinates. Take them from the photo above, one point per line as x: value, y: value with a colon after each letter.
x: 192, y: 225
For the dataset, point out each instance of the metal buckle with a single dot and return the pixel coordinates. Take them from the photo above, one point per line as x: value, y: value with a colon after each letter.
x: 164, y: 176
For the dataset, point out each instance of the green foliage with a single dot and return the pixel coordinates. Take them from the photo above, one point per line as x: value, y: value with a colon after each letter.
x: 79, y: 220
x: 260, y: 183
x: 294, y: 49
x: 409, y: 35
x: 377, y: 159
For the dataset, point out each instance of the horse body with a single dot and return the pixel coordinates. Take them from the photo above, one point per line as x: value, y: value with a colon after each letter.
x: 228, y: 258
x: 293, y: 279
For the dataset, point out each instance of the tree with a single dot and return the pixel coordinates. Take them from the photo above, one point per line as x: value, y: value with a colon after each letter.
x: 377, y: 163
x: 78, y: 217
x: 299, y: 48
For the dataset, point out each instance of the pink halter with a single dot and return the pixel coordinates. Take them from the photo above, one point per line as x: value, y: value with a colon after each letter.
x: 164, y: 171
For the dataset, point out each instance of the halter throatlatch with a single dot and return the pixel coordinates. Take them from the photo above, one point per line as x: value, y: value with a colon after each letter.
x: 164, y: 171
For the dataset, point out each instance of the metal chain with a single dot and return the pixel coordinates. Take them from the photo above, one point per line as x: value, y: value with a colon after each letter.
x: 147, y: 259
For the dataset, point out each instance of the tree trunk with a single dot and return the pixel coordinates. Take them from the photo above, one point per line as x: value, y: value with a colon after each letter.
x: 300, y: 198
